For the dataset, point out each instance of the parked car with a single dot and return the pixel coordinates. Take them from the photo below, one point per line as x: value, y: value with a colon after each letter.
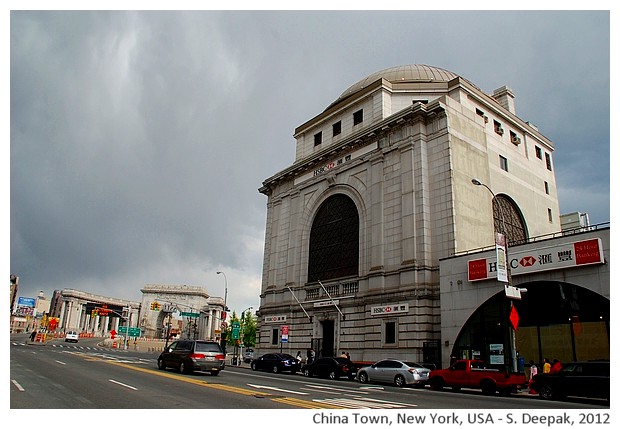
x: 248, y: 355
x: 475, y: 374
x: 71, y: 336
x: 397, y: 372
x: 583, y: 379
x: 275, y: 362
x: 331, y: 367
x: 192, y: 355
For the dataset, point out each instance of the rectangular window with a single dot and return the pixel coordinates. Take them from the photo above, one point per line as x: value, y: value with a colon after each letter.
x: 538, y: 152
x: 358, y: 117
x: 503, y: 163
x: 498, y: 128
x: 318, y: 138
x: 550, y: 215
x: 548, y: 160
x: 514, y: 138
x: 546, y: 187
x: 275, y: 336
x: 337, y: 128
x: 390, y: 332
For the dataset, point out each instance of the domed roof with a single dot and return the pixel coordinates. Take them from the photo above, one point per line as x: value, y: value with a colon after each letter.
x: 407, y: 73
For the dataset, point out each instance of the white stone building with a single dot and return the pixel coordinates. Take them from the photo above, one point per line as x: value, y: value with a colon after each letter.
x: 380, y: 189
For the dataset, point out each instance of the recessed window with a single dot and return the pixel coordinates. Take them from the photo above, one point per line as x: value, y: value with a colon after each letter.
x: 498, y: 128
x: 550, y: 215
x: 514, y: 138
x: 275, y: 334
x: 503, y: 163
x: 538, y: 152
x: 548, y: 160
x: 390, y: 332
x: 318, y: 138
x: 482, y: 115
x: 358, y: 117
x: 337, y: 128
x: 546, y: 187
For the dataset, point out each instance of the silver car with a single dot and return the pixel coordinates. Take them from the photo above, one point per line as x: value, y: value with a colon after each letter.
x: 392, y: 371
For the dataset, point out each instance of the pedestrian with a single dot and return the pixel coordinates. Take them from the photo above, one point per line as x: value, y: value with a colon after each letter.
x: 348, y: 356
x: 33, y: 334
x: 533, y: 372
x: 343, y: 355
x: 309, y: 356
x: 556, y: 367
x: 546, y: 366
x: 298, y: 357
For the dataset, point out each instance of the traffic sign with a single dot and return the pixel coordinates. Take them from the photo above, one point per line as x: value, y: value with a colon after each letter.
x: 133, y: 332
x: 188, y: 314
x: 236, y: 327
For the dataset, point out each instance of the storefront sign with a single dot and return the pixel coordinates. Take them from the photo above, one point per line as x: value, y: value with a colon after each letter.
x: 327, y: 303
x: 274, y: 319
x: 387, y: 310
x: 568, y: 255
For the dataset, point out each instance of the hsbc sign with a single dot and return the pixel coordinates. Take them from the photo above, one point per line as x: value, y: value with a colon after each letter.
x: 568, y: 255
x: 386, y: 310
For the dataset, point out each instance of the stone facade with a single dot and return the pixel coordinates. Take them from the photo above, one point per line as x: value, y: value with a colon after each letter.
x: 403, y: 145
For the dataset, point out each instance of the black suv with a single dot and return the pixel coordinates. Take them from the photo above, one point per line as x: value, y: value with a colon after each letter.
x: 583, y: 379
x: 193, y: 355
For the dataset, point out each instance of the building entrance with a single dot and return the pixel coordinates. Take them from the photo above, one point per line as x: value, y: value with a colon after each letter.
x: 327, y: 346
x: 555, y: 320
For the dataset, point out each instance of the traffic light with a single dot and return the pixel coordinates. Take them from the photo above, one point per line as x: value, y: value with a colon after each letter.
x: 153, y: 307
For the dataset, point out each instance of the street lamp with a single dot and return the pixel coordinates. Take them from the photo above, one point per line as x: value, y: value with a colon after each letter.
x: 225, y: 288
x: 502, y: 242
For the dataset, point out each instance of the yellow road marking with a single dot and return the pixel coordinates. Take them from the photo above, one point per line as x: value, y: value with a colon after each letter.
x: 303, y: 403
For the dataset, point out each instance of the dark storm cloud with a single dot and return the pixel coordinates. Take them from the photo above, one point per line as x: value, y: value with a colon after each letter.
x: 139, y: 139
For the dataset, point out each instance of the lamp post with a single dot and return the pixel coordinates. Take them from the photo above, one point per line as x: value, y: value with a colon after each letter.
x: 508, y: 277
x: 223, y: 319
x: 242, y: 335
x: 225, y: 288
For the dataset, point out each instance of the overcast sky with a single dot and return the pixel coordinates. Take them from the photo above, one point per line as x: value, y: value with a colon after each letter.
x: 139, y: 139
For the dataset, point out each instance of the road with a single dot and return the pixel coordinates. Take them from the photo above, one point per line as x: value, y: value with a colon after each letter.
x: 85, y: 376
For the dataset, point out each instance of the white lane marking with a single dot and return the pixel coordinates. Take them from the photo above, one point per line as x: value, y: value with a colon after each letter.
x: 335, y: 389
x: 257, y: 386
x: 363, y: 403
x: 19, y: 386
x: 123, y: 384
x: 62, y: 363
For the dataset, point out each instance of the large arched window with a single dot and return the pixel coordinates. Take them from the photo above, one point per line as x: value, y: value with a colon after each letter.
x: 334, y: 240
x: 508, y: 220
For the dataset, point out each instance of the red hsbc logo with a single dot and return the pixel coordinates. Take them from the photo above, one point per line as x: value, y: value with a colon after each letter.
x: 527, y: 261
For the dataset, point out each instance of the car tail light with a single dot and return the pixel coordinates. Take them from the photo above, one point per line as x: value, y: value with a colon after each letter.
x: 197, y: 356
x: 413, y: 370
x: 220, y: 357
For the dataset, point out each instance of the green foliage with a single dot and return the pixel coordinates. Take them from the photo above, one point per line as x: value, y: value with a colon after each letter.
x: 248, y: 329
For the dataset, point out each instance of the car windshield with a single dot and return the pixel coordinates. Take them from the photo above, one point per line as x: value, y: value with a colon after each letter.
x: 285, y: 356
x: 208, y: 347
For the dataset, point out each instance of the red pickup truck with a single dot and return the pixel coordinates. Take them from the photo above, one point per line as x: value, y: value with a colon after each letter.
x: 474, y: 375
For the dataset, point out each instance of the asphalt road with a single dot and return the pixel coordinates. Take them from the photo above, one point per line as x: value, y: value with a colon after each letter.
x: 62, y: 375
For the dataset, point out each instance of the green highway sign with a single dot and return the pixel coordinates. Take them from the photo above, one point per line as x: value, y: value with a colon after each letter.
x: 187, y: 314
x: 133, y: 332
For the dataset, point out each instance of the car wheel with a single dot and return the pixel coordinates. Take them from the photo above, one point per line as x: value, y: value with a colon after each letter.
x: 399, y: 381
x: 546, y: 392
x: 307, y: 373
x: 332, y: 375
x: 437, y: 384
x: 275, y: 369
x: 363, y: 377
x: 488, y: 388
x: 184, y: 368
x: 253, y: 366
x: 161, y: 364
